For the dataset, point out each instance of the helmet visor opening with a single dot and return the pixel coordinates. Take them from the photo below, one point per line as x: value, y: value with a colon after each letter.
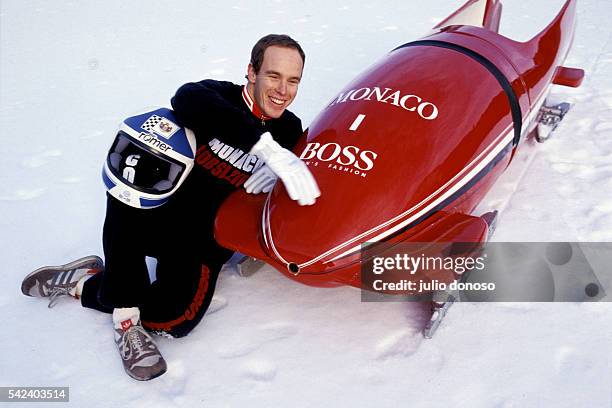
x: 142, y: 168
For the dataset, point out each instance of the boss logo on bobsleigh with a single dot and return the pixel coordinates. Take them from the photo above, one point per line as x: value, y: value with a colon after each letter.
x: 350, y: 159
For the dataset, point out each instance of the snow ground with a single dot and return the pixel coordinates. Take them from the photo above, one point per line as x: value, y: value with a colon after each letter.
x: 69, y: 72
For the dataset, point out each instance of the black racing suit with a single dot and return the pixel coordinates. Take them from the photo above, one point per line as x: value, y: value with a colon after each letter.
x: 179, y: 234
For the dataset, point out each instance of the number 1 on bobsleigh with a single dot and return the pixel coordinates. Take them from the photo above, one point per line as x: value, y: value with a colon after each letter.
x: 407, y: 150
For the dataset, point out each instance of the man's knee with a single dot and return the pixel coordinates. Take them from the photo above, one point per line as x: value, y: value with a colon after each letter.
x: 179, y: 316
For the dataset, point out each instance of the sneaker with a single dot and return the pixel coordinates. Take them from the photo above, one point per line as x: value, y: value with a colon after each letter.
x: 141, y: 357
x: 56, y: 281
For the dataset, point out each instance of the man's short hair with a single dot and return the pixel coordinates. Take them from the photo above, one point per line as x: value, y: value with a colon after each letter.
x: 279, y: 40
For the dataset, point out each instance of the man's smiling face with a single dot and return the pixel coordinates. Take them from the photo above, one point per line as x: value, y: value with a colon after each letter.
x: 275, y: 86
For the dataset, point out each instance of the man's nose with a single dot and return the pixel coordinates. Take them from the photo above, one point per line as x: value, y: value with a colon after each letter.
x: 281, y: 88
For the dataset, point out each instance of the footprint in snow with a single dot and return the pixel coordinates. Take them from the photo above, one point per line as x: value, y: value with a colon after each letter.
x: 603, y: 126
x: 402, y: 343
x: 23, y: 195
x: 40, y: 159
x: 259, y: 370
x: 516, y: 307
x: 217, y: 303
x: 570, y: 360
x: 238, y: 346
x: 4, y: 301
x: 71, y: 180
x: 93, y: 135
x: 175, y: 379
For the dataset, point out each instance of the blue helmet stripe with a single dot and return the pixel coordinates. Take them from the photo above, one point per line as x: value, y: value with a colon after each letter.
x: 148, y: 203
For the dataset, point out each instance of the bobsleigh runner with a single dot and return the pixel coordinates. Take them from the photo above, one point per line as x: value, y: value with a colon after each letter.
x: 407, y: 150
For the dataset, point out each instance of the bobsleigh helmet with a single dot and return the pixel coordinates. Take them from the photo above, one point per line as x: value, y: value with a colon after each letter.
x: 149, y: 159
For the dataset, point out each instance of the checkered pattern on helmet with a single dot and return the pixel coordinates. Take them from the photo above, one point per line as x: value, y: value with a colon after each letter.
x: 151, y: 123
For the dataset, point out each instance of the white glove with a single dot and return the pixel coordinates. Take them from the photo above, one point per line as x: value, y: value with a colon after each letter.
x: 261, y: 181
x: 293, y: 172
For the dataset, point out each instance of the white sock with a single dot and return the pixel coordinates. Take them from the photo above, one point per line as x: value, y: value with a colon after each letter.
x: 78, y: 289
x: 123, y: 314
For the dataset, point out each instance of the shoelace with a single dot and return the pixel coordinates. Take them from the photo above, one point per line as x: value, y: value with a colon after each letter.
x: 56, y: 293
x: 134, y: 338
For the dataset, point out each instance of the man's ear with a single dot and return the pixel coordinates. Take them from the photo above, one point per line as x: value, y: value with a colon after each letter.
x: 251, y: 74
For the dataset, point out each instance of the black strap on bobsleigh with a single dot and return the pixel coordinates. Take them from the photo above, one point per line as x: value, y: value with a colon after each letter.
x: 515, y: 108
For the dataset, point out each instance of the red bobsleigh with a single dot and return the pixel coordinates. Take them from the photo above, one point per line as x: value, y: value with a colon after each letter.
x: 407, y: 150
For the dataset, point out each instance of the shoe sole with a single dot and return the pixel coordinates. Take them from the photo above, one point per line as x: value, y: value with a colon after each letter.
x: 45, y: 272
x: 146, y: 378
